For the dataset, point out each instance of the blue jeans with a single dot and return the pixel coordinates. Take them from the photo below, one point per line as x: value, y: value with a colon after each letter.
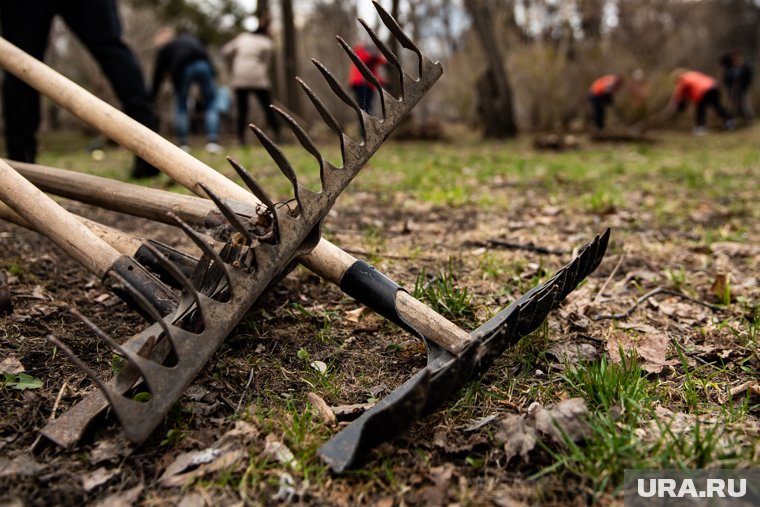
x: 200, y: 72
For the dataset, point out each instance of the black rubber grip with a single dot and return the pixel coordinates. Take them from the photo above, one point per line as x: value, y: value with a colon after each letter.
x: 374, y: 290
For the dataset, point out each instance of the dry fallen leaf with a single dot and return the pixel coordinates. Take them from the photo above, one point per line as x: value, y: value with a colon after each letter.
x: 98, y: 477
x: 518, y: 437
x: 438, y: 493
x: 22, y: 465
x: 12, y: 365
x: 652, y: 348
x: 278, y: 451
x: 126, y: 498
x: 566, y: 419
x: 721, y: 287
x: 354, y: 315
x: 323, y: 410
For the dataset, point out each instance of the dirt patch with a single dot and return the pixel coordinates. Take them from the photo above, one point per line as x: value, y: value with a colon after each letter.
x: 262, y: 373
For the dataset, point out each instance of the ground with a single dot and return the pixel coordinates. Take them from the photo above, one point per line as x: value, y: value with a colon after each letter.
x: 672, y: 384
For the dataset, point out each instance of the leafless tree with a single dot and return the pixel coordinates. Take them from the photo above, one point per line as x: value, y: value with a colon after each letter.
x: 494, y: 91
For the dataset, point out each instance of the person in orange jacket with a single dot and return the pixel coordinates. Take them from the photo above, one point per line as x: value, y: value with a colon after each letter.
x: 363, y: 90
x: 600, y: 96
x: 702, y: 91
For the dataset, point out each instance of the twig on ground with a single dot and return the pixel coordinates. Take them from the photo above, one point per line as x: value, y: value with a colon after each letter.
x: 245, y: 390
x: 658, y: 290
x: 612, y: 275
x: 530, y: 247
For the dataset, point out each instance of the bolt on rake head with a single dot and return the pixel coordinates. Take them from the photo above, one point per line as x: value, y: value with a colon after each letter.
x: 446, y: 373
x: 230, y: 276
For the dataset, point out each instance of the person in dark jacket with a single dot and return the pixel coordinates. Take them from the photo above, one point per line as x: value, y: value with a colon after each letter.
x: 737, y: 78
x: 185, y: 59
x: 97, y: 25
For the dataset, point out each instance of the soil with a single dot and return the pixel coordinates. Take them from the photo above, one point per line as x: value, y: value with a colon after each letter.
x: 261, y: 367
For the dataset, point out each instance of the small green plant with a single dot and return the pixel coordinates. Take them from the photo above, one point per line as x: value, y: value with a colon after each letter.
x: 676, y: 277
x: 21, y: 381
x: 442, y: 294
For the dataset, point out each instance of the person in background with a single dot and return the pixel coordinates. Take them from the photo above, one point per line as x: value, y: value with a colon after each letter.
x: 249, y: 56
x: 737, y: 77
x: 185, y: 59
x: 601, y: 96
x: 363, y: 90
x: 702, y: 91
x: 97, y: 25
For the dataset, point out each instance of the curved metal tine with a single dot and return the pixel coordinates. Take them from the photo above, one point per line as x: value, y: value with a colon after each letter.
x: 132, y: 356
x: 364, y: 70
x: 174, y: 271
x: 279, y: 158
x: 230, y: 215
x: 397, y: 32
x: 205, y: 248
x: 342, y: 94
x: 604, y: 241
x: 83, y: 366
x: 256, y: 189
x: 143, y: 302
x: 387, y: 53
x: 305, y: 141
x: 326, y: 115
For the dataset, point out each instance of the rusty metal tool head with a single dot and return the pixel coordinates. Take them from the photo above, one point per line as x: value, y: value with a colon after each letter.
x: 228, y: 280
x: 445, y: 372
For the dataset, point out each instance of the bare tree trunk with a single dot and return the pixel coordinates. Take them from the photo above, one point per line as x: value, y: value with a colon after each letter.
x: 290, y: 57
x: 262, y: 8
x: 494, y: 91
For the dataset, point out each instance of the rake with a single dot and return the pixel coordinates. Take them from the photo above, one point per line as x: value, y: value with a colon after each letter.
x: 248, y: 243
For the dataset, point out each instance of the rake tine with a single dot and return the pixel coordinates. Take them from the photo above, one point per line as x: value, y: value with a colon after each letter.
x: 230, y: 215
x: 365, y: 72
x: 141, y: 300
x: 173, y: 270
x: 304, y: 140
x: 137, y: 361
x: 83, y: 366
x: 373, y: 427
x: 325, y: 113
x: 342, y: 95
x: 279, y: 158
x: 389, y: 55
x: 396, y: 30
x: 256, y: 189
x: 205, y: 248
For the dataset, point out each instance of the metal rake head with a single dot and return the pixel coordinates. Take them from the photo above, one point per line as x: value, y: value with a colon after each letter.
x: 445, y: 374
x: 258, y: 244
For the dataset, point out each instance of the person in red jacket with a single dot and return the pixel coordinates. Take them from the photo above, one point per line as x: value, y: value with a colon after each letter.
x: 600, y: 95
x: 702, y: 91
x: 363, y: 90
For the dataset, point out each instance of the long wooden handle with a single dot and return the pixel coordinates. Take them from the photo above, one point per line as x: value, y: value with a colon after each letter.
x: 46, y: 216
x: 121, y: 241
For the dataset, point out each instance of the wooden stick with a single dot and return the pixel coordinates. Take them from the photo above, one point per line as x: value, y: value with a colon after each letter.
x: 55, y: 222
x: 121, y: 241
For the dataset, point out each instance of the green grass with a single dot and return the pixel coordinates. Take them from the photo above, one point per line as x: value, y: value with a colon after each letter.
x: 680, y: 192
x: 445, y: 296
